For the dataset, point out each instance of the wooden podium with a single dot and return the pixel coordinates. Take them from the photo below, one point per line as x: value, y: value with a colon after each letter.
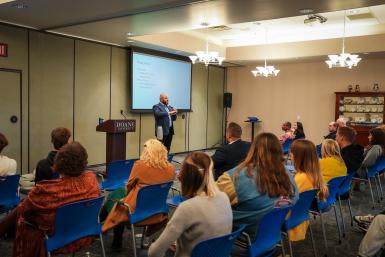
x: 116, y: 137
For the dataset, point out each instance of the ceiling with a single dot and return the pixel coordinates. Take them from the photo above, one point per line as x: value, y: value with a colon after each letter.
x: 110, y: 21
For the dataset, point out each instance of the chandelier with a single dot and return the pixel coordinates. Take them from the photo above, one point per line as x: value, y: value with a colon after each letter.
x: 206, y: 56
x: 265, y: 71
x: 343, y: 59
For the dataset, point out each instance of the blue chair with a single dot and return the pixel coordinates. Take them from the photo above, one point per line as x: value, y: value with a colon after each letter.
x: 218, y: 246
x: 286, y: 146
x: 318, y: 150
x: 175, y: 200
x: 325, y: 206
x: 170, y: 157
x: 150, y: 201
x: 74, y: 221
x: 299, y: 214
x: 9, y: 192
x: 118, y: 173
x: 269, y: 233
x: 344, y: 191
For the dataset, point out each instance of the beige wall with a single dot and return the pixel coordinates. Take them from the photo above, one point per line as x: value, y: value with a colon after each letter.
x: 72, y: 83
x: 301, y: 89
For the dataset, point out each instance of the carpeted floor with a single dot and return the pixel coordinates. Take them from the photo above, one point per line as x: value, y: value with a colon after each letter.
x: 361, y: 203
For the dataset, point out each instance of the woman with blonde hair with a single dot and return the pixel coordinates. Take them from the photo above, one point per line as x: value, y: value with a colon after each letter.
x: 332, y: 165
x: 205, y: 214
x: 152, y: 168
x: 307, y: 177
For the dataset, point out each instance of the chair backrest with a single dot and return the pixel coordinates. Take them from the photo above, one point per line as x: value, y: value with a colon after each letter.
x: 119, y: 170
x: 380, y: 164
x: 334, y: 187
x: 269, y: 232
x: 151, y: 200
x: 74, y: 221
x: 217, y: 246
x: 286, y: 145
x: 318, y: 149
x: 345, y: 186
x: 9, y: 190
x: 300, y: 211
x: 170, y: 157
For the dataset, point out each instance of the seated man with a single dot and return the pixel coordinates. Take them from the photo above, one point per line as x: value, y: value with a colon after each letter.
x: 230, y: 155
x: 8, y: 166
x: 59, y: 137
x: 374, y: 239
x: 286, y: 127
x: 332, y: 131
x: 351, y: 153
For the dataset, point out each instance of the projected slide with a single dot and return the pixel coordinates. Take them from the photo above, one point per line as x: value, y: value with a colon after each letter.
x: 152, y: 75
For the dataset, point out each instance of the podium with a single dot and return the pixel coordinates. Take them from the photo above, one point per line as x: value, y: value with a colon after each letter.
x: 116, y: 137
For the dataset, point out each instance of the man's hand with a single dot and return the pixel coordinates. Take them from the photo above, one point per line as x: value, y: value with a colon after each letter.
x: 174, y: 111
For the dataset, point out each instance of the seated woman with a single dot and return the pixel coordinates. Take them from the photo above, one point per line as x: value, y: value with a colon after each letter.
x: 152, y: 168
x: 59, y: 137
x: 8, y: 166
x: 258, y: 184
x: 39, y: 208
x: 299, y: 133
x: 205, y: 214
x: 332, y: 165
x: 373, y: 151
x: 307, y: 177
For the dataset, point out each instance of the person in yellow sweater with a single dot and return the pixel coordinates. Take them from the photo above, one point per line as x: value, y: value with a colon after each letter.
x: 307, y: 177
x: 332, y: 165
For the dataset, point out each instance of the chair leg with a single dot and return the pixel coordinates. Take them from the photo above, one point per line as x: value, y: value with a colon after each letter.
x: 133, y: 239
x: 48, y: 254
x: 338, y: 225
x: 102, y: 245
x: 371, y: 192
x: 283, y: 248
x: 290, y: 246
x: 351, y: 213
x: 324, y: 233
x: 342, y: 217
x: 379, y: 183
x: 143, y: 236
x: 312, y: 239
x: 377, y: 189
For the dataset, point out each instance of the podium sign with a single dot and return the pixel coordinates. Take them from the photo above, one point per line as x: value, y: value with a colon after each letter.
x: 116, y: 137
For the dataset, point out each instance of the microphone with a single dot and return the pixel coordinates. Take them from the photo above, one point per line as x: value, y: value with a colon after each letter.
x: 122, y: 113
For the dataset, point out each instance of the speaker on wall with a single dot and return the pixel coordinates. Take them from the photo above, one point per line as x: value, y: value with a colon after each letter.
x: 227, y: 100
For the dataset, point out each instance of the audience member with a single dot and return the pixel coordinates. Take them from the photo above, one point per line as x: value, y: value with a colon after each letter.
x: 351, y: 153
x: 286, y: 127
x: 59, y: 137
x: 332, y: 131
x: 307, y: 177
x: 230, y: 155
x: 8, y: 166
x: 374, y: 239
x: 299, y: 132
x: 35, y: 215
x: 374, y: 151
x: 152, y: 168
x: 341, y: 122
x: 205, y: 214
x: 332, y: 165
x: 258, y: 184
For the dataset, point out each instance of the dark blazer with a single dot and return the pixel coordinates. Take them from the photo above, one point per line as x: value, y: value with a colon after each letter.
x: 161, y: 118
x: 228, y: 156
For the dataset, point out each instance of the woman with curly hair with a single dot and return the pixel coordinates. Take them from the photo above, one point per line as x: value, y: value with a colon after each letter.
x: 152, y: 168
x: 35, y: 215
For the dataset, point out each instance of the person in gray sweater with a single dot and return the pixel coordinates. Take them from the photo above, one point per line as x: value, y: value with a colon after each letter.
x: 374, y: 151
x: 205, y: 214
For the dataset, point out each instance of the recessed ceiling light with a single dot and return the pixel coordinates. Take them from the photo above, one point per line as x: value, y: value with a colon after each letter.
x: 306, y: 11
x: 20, y: 6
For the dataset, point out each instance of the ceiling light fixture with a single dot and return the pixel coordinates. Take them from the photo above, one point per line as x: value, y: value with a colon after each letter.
x: 265, y: 71
x: 343, y: 59
x: 206, y: 56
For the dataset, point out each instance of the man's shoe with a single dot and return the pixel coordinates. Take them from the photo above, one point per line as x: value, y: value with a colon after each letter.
x: 363, y: 219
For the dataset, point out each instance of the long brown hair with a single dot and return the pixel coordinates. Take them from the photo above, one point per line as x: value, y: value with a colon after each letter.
x: 306, y: 161
x: 264, y: 161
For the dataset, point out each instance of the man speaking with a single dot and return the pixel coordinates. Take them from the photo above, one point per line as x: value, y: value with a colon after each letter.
x: 164, y: 117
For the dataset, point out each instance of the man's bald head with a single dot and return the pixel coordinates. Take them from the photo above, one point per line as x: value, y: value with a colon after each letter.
x: 163, y: 98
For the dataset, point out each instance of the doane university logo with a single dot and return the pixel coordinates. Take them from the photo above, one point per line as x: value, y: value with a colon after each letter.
x: 125, y: 125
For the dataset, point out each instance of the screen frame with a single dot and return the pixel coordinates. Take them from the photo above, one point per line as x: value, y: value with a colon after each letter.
x: 156, y: 53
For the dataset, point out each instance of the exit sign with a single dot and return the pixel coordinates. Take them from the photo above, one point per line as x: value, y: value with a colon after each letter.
x: 3, y: 50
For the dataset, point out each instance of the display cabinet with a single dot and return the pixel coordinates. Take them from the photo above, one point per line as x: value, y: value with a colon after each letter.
x: 362, y: 111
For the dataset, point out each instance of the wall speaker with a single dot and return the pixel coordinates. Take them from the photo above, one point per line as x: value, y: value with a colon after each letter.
x: 227, y: 100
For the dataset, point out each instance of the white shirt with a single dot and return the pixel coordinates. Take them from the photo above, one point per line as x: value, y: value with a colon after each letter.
x: 169, y: 116
x: 8, y: 166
